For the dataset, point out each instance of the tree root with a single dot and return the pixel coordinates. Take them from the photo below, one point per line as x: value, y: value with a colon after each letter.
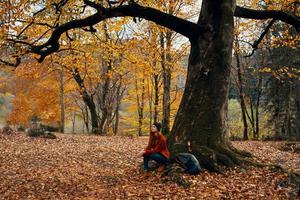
x: 240, y: 152
x: 211, y: 158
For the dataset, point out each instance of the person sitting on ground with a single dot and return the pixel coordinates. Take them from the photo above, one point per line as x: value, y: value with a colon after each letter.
x: 157, y: 149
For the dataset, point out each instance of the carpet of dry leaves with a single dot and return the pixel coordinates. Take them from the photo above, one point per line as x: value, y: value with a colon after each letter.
x: 95, y: 167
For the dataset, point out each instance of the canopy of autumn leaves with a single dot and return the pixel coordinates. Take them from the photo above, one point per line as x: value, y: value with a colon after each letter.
x: 134, y: 50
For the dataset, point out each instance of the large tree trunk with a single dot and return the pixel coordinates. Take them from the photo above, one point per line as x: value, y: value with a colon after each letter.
x: 201, y: 118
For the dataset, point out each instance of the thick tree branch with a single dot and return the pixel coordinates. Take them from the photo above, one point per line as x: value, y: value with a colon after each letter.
x: 268, y: 14
x: 184, y: 27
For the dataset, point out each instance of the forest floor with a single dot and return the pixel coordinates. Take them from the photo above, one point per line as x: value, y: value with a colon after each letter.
x: 97, y: 167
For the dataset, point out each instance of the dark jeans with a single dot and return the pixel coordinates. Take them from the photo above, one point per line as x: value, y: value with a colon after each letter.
x: 157, y: 157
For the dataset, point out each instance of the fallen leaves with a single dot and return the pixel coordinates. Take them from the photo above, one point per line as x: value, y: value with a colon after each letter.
x: 94, y: 167
x: 271, y: 153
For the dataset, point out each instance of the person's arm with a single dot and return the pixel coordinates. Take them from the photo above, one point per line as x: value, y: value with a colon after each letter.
x: 161, y: 145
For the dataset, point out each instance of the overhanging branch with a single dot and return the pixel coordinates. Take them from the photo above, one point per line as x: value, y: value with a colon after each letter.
x: 261, y: 37
x: 184, y: 27
x: 16, y: 64
x: 268, y: 14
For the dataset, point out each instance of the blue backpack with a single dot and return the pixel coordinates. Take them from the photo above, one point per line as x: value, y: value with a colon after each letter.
x: 189, y: 162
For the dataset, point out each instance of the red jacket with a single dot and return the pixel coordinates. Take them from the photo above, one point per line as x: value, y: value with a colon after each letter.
x: 160, y: 146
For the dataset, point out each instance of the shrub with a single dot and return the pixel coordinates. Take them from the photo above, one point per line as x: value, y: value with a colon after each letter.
x: 49, y: 135
x: 274, y: 138
x: 21, y: 129
x: 291, y: 146
x: 40, y: 132
x: 35, y: 132
x: 235, y: 138
x: 7, y: 130
x: 50, y: 128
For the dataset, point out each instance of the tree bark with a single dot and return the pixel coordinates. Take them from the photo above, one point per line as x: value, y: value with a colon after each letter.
x: 252, y: 118
x: 62, y: 101
x: 240, y: 86
x: 150, y: 100
x: 119, y: 95
x: 156, y: 98
x: 88, y: 100
x: 201, y: 118
x: 242, y: 99
x: 140, y: 104
x: 297, y: 107
x: 73, y: 122
x: 257, y: 107
x: 167, y: 84
x: 86, y: 118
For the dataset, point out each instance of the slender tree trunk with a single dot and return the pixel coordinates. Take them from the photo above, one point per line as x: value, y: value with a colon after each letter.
x: 297, y: 106
x: 289, y: 113
x: 252, y: 119
x: 86, y: 118
x: 241, y: 95
x: 202, y: 114
x: 83, y: 125
x: 104, y: 103
x: 62, y: 101
x: 88, y: 100
x: 150, y: 100
x: 167, y: 85
x: 257, y: 107
x: 277, y: 110
x: 73, y: 123
x: 140, y: 104
x: 117, y: 110
x: 156, y: 98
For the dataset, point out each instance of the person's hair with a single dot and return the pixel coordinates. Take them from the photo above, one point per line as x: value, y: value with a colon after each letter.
x: 153, y: 139
x: 157, y: 125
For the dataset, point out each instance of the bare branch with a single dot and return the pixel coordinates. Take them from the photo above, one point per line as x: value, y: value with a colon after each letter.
x: 68, y: 36
x: 268, y: 14
x: 16, y: 64
x: 257, y: 42
x: 90, y: 29
x: 35, y: 23
x: 25, y: 29
x: 186, y: 28
x: 39, y: 11
x: 59, y: 5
